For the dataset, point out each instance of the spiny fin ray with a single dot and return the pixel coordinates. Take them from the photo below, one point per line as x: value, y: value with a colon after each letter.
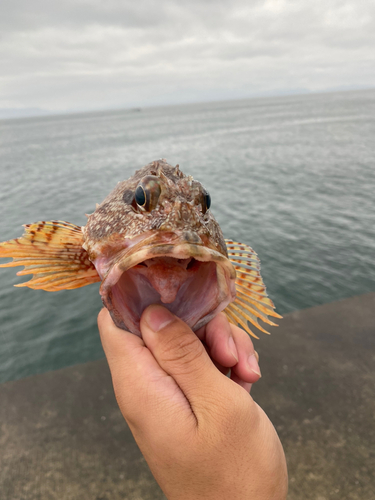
x: 252, y: 301
x: 238, y: 319
x: 52, y: 252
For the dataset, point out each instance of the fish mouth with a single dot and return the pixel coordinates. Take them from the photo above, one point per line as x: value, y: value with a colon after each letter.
x: 179, y: 271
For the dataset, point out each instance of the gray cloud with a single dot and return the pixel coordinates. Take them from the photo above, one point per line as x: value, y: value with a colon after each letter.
x: 97, y: 54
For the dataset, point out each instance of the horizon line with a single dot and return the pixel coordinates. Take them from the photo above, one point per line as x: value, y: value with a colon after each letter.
x: 44, y: 113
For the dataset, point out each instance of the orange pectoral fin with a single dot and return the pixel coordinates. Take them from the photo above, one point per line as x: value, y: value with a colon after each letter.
x: 252, y: 301
x: 51, y: 251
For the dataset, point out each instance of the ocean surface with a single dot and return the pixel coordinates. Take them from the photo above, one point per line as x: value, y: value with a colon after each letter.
x: 293, y: 176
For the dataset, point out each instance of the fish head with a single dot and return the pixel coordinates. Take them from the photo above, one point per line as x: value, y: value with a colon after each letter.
x: 154, y: 240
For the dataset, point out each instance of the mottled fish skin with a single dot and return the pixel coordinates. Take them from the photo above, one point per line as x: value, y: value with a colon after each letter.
x: 178, y: 208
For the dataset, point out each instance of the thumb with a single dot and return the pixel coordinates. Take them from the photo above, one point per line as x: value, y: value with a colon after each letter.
x: 181, y: 354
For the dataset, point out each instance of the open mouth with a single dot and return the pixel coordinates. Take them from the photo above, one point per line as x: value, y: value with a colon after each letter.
x: 194, y: 282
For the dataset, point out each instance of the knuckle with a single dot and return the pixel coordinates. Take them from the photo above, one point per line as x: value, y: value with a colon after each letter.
x: 237, y: 407
x: 182, y: 349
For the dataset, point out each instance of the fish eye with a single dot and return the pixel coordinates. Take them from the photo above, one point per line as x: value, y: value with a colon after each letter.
x: 205, y: 200
x: 140, y: 196
x: 147, y: 193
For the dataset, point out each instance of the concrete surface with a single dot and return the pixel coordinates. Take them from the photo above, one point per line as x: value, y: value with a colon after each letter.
x: 62, y: 436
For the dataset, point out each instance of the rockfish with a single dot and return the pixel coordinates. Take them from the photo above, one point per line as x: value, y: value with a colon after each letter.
x: 152, y: 240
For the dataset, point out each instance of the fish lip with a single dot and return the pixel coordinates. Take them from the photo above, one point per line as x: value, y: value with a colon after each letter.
x: 180, y: 251
x: 178, y: 246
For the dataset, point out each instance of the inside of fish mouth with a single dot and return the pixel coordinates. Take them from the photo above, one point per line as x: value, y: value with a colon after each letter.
x: 186, y: 263
x: 187, y: 287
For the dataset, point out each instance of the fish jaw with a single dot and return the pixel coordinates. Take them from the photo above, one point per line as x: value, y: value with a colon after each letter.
x: 177, y: 270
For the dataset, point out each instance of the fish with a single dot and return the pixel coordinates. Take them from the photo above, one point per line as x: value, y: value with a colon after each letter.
x: 152, y: 240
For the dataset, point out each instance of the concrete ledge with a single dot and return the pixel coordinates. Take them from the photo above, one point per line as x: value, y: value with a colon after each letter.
x: 62, y: 436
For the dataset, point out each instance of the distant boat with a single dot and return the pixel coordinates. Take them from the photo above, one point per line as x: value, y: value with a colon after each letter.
x: 135, y: 110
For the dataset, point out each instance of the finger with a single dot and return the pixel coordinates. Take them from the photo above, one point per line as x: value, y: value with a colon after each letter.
x: 116, y: 343
x: 181, y: 354
x: 247, y: 369
x: 219, y: 336
x: 141, y: 386
x: 246, y: 385
x: 220, y: 343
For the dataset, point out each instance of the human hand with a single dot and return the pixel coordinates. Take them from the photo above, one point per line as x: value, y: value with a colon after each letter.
x: 201, y: 433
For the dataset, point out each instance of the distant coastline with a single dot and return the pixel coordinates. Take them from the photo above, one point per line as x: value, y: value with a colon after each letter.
x: 9, y: 113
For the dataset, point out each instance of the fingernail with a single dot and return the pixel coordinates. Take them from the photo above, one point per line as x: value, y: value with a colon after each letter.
x: 253, y: 364
x: 157, y: 317
x: 232, y: 348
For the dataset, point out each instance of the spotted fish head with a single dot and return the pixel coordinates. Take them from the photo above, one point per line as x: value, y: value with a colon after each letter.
x: 155, y: 240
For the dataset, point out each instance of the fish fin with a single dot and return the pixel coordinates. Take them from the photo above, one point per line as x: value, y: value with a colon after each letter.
x: 252, y: 301
x: 51, y: 251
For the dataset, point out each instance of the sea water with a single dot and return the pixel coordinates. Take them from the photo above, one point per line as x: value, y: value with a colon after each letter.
x: 294, y: 177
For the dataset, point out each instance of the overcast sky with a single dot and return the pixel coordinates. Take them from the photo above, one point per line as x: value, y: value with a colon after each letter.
x: 95, y: 54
